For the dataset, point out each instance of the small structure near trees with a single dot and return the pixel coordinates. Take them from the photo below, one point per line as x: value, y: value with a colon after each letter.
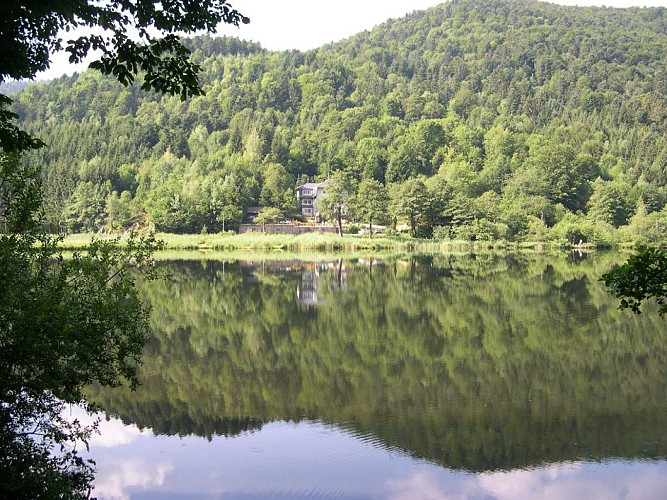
x: 308, y: 195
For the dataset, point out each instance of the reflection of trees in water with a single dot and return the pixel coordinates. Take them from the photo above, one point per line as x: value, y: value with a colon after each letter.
x: 480, y: 362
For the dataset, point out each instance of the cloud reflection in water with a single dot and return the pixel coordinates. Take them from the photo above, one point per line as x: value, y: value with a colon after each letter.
x: 308, y: 460
x: 120, y: 477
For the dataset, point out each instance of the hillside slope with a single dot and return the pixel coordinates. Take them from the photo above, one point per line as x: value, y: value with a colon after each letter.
x: 514, y: 119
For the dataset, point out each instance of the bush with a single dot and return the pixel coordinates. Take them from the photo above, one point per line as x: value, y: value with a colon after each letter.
x: 647, y: 229
x: 517, y: 226
x: 480, y: 230
x: 537, y: 230
x: 390, y: 232
x: 442, y: 233
x: 572, y: 230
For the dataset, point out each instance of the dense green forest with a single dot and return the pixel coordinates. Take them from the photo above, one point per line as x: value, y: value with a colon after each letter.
x: 494, y: 119
x: 543, y: 368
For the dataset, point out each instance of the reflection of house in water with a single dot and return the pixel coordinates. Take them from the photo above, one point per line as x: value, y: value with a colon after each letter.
x: 327, y: 276
x: 306, y: 291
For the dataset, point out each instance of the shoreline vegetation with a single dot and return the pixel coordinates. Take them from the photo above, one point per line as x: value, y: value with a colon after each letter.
x: 226, y: 242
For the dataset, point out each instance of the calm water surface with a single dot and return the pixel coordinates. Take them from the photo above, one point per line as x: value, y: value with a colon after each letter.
x: 418, y: 377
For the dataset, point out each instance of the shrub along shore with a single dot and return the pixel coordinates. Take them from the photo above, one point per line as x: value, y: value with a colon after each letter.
x: 323, y: 242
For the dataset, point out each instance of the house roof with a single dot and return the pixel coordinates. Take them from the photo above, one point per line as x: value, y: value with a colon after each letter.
x: 310, y: 185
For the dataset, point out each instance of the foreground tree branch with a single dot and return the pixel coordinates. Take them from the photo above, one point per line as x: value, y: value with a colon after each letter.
x: 68, y: 322
x: 643, y: 277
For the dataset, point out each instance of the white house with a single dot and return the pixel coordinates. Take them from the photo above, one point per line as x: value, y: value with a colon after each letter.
x: 307, y: 195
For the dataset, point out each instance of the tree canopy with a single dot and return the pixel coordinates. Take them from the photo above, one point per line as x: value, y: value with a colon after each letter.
x: 32, y: 31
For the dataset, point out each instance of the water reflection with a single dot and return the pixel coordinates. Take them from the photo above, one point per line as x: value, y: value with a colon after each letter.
x: 314, y: 460
x: 495, y: 365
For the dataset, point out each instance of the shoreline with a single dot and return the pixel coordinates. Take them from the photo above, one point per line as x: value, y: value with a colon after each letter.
x: 331, y: 243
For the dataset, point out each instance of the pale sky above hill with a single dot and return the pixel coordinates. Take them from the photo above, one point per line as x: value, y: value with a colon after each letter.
x: 307, y: 24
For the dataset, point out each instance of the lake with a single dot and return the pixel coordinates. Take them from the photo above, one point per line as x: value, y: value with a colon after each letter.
x: 446, y: 376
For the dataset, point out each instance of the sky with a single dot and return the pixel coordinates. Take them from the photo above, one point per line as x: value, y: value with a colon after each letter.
x: 307, y: 24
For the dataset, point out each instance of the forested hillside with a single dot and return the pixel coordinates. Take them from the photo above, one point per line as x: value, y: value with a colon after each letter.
x: 493, y: 119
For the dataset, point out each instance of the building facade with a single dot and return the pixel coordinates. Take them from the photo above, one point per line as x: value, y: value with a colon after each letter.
x: 307, y: 195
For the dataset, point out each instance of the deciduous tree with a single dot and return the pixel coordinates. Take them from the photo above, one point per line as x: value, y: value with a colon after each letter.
x: 336, y: 200
x: 268, y: 215
x: 372, y: 202
x: 411, y: 200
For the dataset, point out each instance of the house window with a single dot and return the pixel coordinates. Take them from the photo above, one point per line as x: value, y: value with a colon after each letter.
x: 307, y: 211
x: 306, y: 192
x: 307, y: 202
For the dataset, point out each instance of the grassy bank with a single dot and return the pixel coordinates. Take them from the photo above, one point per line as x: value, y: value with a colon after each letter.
x: 314, y: 242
